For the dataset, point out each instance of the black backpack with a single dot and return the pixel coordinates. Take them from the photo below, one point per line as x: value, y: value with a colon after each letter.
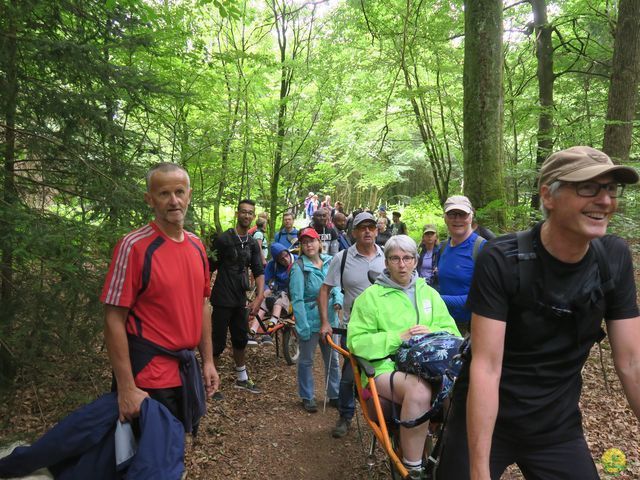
x: 526, y: 267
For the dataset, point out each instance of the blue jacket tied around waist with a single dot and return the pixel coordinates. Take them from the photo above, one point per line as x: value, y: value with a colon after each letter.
x: 82, y: 446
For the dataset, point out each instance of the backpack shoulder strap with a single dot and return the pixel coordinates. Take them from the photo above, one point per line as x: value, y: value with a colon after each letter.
x: 300, y: 264
x: 525, y: 265
x: 606, y: 281
x: 343, y: 262
x: 477, y: 245
x: 441, y: 248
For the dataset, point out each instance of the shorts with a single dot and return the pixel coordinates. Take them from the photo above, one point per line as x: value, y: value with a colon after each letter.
x: 170, y: 398
x: 280, y: 298
x: 234, y: 319
x: 565, y: 459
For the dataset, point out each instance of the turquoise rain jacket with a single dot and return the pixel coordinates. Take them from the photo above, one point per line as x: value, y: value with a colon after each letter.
x: 303, y: 291
x: 385, y: 310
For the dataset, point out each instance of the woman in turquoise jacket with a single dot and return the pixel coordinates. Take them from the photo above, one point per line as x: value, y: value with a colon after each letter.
x: 304, y: 285
x: 398, y: 306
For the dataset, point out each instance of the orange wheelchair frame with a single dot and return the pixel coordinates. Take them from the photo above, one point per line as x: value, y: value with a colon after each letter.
x: 380, y: 429
x: 372, y: 411
x: 286, y: 327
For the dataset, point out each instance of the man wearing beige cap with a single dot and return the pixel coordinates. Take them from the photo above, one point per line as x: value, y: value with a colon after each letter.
x: 538, y: 299
x: 456, y: 259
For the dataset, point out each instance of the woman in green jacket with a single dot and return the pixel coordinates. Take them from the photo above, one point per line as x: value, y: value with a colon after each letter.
x: 398, y: 306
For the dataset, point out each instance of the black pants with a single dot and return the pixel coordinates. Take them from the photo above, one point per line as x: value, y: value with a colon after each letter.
x: 233, y: 319
x: 169, y: 397
x: 565, y: 460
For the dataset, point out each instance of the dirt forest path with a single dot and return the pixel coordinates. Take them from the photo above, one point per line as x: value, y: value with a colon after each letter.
x: 269, y: 436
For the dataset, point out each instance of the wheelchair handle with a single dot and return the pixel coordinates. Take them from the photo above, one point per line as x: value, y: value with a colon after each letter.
x: 339, y: 330
x: 337, y: 347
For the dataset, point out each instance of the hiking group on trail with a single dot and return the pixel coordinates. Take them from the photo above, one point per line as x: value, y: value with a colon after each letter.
x: 531, y: 303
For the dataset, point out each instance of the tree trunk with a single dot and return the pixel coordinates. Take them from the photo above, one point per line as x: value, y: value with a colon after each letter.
x: 544, y: 55
x: 277, y: 160
x: 483, y: 104
x: 10, y: 193
x: 623, y: 89
x: 280, y: 19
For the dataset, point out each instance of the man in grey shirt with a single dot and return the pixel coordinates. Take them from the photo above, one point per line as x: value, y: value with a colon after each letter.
x: 362, y: 257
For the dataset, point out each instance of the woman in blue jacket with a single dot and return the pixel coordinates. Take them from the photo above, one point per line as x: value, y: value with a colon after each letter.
x: 306, y: 277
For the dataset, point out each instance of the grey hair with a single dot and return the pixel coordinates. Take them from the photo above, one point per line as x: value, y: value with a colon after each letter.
x: 165, y: 167
x: 553, y: 190
x: 400, y: 242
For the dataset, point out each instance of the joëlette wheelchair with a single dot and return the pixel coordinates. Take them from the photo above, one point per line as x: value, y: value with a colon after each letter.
x: 386, y: 433
x: 284, y: 333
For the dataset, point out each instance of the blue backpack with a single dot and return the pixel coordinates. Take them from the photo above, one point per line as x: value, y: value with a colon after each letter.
x: 436, y: 357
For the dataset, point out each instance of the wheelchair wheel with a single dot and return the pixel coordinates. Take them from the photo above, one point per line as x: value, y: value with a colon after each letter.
x: 290, y: 348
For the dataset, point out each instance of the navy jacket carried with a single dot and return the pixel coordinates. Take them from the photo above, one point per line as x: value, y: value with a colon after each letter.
x: 82, y: 446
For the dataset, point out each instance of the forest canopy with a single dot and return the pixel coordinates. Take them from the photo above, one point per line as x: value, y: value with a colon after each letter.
x: 363, y: 100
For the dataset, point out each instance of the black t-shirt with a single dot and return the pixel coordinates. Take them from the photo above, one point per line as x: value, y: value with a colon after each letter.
x: 327, y: 236
x: 545, y: 348
x: 382, y: 237
x: 399, y: 228
x: 231, y: 255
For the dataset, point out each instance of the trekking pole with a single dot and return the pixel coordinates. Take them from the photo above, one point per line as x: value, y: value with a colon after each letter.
x: 328, y: 374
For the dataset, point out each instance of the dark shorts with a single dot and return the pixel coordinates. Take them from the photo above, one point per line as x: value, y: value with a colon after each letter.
x: 170, y: 398
x: 563, y: 460
x: 233, y: 319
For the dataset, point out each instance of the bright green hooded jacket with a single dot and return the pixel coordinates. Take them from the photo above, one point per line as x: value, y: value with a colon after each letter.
x: 384, y: 311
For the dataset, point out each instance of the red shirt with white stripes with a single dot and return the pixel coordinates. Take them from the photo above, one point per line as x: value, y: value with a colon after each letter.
x: 163, y: 283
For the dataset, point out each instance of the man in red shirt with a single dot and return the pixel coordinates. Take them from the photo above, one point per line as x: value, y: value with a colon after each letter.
x: 156, y: 307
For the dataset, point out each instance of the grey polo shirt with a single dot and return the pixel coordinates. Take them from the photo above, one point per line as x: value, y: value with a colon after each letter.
x: 356, y: 271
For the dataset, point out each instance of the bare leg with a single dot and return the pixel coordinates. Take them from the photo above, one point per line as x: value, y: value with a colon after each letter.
x: 277, y: 310
x: 254, y: 325
x: 239, y: 357
x: 414, y: 394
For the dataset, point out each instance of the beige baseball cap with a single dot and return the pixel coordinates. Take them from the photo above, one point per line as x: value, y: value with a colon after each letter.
x: 458, y: 202
x: 429, y: 228
x: 578, y: 164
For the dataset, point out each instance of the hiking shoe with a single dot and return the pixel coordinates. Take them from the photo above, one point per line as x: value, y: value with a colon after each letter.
x: 416, y: 474
x: 333, y: 402
x: 310, y: 405
x: 248, y: 385
x: 341, y: 428
x: 267, y: 341
x: 252, y: 340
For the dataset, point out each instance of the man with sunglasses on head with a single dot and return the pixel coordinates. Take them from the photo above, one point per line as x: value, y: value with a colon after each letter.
x: 538, y: 299
x: 351, y: 270
x: 456, y: 259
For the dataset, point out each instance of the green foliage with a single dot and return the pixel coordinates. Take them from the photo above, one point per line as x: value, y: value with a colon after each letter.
x: 519, y: 217
x: 106, y: 89
x: 626, y: 222
x: 420, y: 212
